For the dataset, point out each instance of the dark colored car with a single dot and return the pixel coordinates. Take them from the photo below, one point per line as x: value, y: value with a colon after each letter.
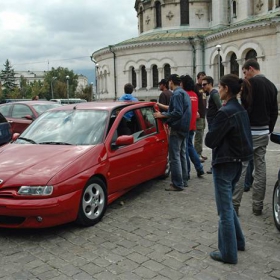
x: 275, y: 138
x: 5, y: 131
x: 21, y: 114
x: 73, y: 161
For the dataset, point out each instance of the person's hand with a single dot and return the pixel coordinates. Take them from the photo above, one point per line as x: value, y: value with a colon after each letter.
x: 157, y: 115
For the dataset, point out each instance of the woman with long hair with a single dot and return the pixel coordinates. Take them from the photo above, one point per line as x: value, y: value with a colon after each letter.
x: 230, y: 138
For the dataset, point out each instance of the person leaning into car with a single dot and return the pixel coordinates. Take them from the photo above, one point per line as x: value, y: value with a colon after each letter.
x: 179, y: 107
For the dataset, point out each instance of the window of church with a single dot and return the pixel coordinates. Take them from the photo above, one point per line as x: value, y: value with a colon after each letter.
x: 251, y: 54
x: 234, y: 66
x: 234, y: 14
x: 158, y: 13
x: 155, y: 76
x: 270, y: 5
x: 277, y: 3
x: 185, y: 12
x: 167, y: 71
x: 133, y: 77
x: 144, y: 76
x: 141, y: 20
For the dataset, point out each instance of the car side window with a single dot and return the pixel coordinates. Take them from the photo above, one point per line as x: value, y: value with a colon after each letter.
x: 5, y: 110
x: 150, y: 125
x: 20, y: 111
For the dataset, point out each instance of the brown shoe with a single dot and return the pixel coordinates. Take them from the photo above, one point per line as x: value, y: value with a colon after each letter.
x: 203, y: 157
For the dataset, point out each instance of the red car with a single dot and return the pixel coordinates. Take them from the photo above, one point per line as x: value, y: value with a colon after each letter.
x: 74, y: 160
x: 21, y: 114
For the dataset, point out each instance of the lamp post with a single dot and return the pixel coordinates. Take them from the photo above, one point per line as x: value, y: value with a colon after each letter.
x: 219, y: 62
x: 53, y: 79
x: 67, y: 80
x: 96, y: 79
x: 96, y: 74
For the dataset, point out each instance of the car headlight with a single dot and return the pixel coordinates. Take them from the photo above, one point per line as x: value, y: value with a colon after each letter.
x: 35, y: 190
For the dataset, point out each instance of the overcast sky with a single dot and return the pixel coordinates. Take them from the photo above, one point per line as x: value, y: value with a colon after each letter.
x: 39, y: 35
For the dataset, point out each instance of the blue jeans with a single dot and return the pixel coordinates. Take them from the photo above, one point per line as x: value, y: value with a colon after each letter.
x: 192, y: 154
x: 177, y: 157
x: 230, y: 236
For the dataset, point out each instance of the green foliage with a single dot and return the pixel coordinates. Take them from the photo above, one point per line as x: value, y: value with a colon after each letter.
x: 56, y: 80
x: 86, y: 93
x: 7, y: 77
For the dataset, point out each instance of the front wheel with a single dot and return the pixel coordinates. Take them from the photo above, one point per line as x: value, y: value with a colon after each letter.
x: 93, y: 203
x: 167, y: 169
x: 276, y: 205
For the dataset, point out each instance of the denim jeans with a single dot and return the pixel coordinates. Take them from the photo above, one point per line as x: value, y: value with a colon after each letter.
x: 177, y: 157
x: 249, y: 178
x: 192, y: 154
x: 230, y: 236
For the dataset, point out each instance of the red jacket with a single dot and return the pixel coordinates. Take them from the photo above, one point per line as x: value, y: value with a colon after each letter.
x: 194, y: 102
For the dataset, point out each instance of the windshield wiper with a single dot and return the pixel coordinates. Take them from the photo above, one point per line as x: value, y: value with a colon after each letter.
x: 55, y: 143
x: 27, y: 140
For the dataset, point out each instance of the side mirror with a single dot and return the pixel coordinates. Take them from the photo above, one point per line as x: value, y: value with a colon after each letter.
x: 15, y: 136
x: 275, y: 137
x: 28, y: 117
x: 125, y: 140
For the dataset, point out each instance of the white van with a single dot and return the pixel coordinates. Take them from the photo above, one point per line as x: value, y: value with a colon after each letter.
x: 69, y: 101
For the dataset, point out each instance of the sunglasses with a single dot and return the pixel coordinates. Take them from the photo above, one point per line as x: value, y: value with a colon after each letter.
x: 204, y: 84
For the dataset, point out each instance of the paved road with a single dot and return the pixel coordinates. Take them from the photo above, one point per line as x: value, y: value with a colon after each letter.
x: 150, y: 234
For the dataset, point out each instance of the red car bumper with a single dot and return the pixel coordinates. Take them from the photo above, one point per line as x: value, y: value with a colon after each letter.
x: 39, y: 213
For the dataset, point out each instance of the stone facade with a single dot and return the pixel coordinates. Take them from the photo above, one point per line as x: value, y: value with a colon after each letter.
x: 182, y: 37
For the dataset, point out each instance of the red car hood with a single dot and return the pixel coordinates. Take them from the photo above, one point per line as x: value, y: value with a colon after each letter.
x: 36, y: 164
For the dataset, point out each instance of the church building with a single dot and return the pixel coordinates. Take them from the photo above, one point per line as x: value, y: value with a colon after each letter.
x: 189, y: 36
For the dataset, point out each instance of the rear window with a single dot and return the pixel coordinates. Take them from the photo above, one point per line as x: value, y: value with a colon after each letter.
x: 2, y: 119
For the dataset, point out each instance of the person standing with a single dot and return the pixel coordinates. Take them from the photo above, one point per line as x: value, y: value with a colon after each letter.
x: 200, y: 121
x: 127, y: 96
x: 187, y: 84
x: 214, y: 102
x: 165, y: 96
x: 178, y: 118
x: 263, y: 115
x: 230, y: 139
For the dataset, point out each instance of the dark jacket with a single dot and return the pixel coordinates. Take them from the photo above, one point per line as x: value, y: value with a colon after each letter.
x: 214, y: 104
x: 264, y: 110
x: 179, y: 107
x: 230, y: 135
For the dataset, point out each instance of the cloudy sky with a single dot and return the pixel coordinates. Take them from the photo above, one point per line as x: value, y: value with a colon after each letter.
x: 39, y: 35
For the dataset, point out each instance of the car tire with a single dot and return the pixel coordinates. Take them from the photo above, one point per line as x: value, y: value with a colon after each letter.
x: 167, y: 170
x: 276, y: 205
x: 93, y: 203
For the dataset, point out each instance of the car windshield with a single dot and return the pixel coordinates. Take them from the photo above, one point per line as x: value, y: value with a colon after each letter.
x: 75, y: 127
x: 41, y: 108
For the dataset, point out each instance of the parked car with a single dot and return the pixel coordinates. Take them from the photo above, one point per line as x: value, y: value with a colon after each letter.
x: 5, y: 131
x: 22, y: 113
x: 275, y: 137
x: 74, y: 160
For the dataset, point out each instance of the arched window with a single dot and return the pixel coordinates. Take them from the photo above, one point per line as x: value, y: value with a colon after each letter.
x: 167, y: 71
x: 185, y: 12
x: 234, y: 66
x: 155, y: 76
x: 234, y: 9
x: 158, y: 14
x: 133, y: 77
x: 141, y: 20
x: 270, y: 5
x: 144, y: 76
x: 251, y: 54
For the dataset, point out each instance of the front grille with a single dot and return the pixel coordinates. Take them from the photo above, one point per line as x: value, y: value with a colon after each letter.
x: 11, y: 220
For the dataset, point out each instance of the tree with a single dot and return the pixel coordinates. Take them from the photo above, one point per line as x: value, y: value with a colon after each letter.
x: 7, y: 77
x: 59, y: 84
